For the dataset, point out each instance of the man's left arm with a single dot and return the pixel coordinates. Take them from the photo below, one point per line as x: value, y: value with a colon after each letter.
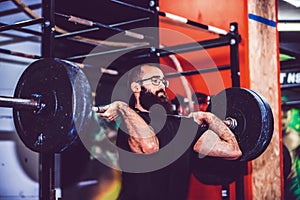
x: 218, y: 140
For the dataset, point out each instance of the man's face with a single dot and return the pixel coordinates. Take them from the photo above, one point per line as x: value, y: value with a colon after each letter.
x: 148, y: 72
x: 151, y: 93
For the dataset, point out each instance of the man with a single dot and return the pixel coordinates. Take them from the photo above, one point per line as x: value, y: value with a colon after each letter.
x: 142, y: 136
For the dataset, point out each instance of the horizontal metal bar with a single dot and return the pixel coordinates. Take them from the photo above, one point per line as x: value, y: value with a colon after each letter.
x: 21, y: 24
x: 184, y: 20
x: 222, y: 41
x: 133, y: 6
x: 74, y: 33
x: 176, y: 18
x: 20, y: 54
x: 11, y: 102
x: 105, y: 52
x: 24, y: 30
x: 193, y: 46
x: 90, y: 23
x: 187, y: 47
x: 129, y: 22
x: 199, y: 71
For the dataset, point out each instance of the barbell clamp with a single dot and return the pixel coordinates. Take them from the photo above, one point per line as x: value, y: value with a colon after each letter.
x: 39, y: 105
x: 231, y: 122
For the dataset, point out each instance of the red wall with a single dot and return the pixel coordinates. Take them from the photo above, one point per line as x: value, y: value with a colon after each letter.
x: 218, y: 13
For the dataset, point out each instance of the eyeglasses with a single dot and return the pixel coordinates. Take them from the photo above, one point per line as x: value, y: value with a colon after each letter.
x: 155, y: 80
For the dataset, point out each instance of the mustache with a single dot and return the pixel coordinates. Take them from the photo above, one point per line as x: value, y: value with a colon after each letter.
x: 159, y: 91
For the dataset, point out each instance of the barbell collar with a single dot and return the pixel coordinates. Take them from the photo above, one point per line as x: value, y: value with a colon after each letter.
x: 231, y: 122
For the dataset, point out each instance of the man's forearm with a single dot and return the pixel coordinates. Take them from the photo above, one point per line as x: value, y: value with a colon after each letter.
x: 214, y: 123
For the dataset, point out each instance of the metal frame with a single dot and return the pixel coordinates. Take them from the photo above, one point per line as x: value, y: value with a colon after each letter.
x: 46, y: 162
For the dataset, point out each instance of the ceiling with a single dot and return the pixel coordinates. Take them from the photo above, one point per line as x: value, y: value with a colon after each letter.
x: 288, y: 11
x: 289, y: 14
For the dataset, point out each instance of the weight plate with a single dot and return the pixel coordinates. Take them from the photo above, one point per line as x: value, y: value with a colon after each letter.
x: 254, y: 119
x: 216, y: 171
x: 65, y: 91
x: 254, y: 132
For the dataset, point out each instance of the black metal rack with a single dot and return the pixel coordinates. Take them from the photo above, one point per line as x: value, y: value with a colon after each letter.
x: 49, y: 48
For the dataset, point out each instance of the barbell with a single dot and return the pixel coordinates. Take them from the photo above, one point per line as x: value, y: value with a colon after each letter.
x: 52, y: 103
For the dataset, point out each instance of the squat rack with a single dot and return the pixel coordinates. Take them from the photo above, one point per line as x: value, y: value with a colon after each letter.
x: 48, y: 36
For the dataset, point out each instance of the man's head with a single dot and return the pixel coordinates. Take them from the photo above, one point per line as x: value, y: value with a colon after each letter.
x: 148, y: 85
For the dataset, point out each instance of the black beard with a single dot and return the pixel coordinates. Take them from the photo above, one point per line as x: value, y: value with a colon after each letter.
x: 147, y: 100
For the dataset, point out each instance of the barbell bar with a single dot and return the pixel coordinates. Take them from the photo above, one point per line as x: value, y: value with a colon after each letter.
x: 246, y: 113
x: 52, y: 103
x: 19, y: 103
x: 253, y: 127
x: 230, y: 122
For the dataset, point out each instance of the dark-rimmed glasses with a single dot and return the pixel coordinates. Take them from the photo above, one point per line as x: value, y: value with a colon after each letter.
x: 156, y: 80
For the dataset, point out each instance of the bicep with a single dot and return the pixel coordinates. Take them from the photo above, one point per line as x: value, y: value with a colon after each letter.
x: 206, y: 142
x: 210, y: 144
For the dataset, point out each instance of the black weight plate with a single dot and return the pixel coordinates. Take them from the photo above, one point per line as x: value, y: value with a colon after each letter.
x: 254, y: 132
x: 216, y: 171
x: 65, y: 91
x: 254, y: 119
x: 266, y: 136
x: 267, y: 128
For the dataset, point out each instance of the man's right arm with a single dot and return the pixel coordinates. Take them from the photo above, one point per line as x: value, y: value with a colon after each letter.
x: 142, y: 138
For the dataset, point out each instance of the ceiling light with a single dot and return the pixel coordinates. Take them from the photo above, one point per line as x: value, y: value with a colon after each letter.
x: 295, y: 3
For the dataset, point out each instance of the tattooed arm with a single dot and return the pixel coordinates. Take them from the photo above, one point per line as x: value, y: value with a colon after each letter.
x: 218, y: 140
x: 142, y: 138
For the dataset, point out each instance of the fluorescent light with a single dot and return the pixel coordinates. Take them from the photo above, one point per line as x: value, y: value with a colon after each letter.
x: 295, y: 3
x: 288, y: 26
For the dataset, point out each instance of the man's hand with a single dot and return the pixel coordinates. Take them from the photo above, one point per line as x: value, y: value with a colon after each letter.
x: 111, y: 111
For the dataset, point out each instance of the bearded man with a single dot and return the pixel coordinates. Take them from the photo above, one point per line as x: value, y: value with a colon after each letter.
x: 161, y: 145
